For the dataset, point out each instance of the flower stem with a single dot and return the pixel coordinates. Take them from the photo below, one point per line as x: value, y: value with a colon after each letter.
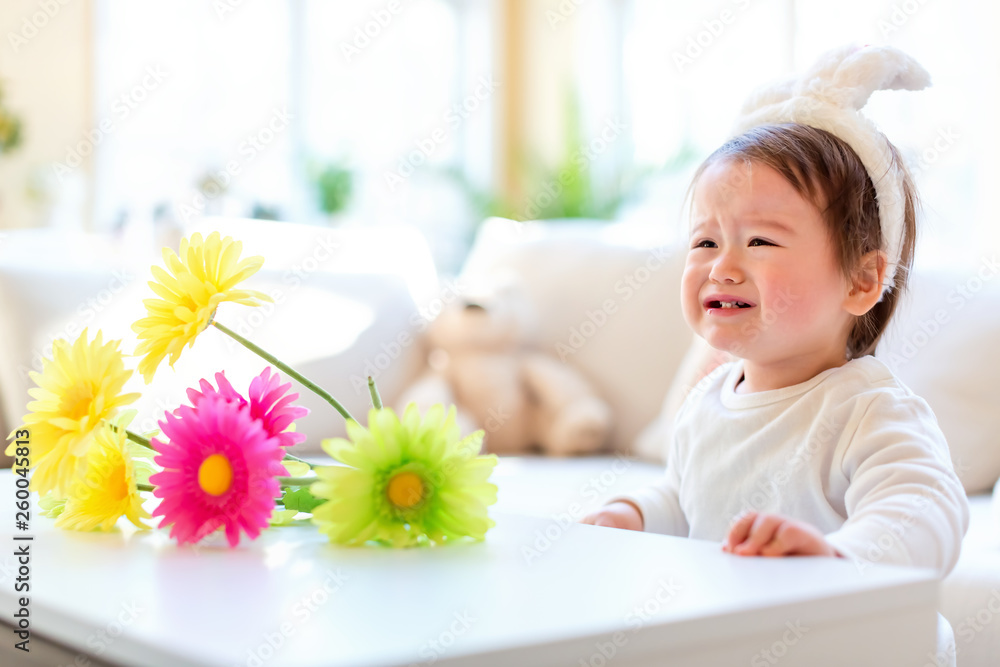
x: 145, y: 487
x: 373, y: 390
x: 296, y: 481
x: 307, y: 383
x: 139, y: 440
x: 289, y: 457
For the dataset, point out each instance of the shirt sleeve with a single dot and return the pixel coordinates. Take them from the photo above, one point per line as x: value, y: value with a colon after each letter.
x: 659, y: 503
x: 905, y: 505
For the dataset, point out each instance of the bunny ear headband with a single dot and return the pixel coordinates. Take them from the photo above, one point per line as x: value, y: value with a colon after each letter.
x: 828, y: 97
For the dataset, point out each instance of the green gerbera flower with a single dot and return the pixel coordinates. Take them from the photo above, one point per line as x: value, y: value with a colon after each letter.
x: 405, y: 482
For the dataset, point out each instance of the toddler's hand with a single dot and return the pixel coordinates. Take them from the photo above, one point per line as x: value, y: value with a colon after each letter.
x: 755, y: 534
x: 616, y: 515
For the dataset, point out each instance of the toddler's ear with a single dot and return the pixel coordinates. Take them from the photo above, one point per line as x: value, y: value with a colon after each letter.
x: 866, y: 283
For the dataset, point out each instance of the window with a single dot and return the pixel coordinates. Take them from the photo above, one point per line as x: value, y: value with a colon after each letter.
x: 687, y: 67
x: 253, y: 102
x: 235, y: 108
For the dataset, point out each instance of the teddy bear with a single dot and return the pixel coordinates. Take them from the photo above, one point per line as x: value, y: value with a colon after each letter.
x: 523, y: 399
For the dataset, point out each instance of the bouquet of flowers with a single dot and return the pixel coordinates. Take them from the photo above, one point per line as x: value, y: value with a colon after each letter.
x: 222, y: 462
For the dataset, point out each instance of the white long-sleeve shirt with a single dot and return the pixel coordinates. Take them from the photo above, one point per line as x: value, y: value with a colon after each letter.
x: 851, y: 451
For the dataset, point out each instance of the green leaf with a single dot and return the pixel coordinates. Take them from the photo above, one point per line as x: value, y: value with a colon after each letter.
x: 300, y: 500
x: 138, y: 452
x: 51, y: 505
x: 296, y: 468
x: 124, y: 418
x: 282, y: 517
x: 143, y: 469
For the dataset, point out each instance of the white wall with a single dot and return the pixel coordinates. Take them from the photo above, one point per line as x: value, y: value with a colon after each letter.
x: 47, y: 82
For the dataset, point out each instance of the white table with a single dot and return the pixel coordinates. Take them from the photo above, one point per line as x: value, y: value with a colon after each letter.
x: 290, y: 598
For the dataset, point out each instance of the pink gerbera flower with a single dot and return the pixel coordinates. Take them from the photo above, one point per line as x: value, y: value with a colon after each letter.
x: 220, y: 466
x: 268, y: 402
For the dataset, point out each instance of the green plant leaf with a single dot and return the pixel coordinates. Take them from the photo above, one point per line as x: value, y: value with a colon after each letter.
x: 282, y: 517
x: 300, y: 500
x: 296, y: 468
x: 51, y: 506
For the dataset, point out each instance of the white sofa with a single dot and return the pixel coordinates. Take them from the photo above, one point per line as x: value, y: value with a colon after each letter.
x: 355, y: 301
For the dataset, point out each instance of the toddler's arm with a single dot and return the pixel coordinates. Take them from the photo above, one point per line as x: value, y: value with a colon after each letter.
x: 657, y: 505
x: 905, y: 505
x: 621, y: 514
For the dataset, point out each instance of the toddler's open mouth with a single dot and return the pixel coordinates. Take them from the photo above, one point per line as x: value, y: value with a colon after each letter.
x: 729, y: 304
x: 726, y: 302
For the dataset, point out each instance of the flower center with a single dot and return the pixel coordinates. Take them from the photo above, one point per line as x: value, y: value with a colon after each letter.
x: 116, y: 485
x: 215, y: 475
x: 405, y: 490
x: 77, y: 402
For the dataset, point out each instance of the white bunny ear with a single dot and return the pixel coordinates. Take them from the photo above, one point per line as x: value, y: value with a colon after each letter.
x: 768, y: 95
x: 861, y: 71
x: 845, y: 77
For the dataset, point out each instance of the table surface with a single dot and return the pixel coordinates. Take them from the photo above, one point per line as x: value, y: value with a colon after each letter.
x: 291, y: 598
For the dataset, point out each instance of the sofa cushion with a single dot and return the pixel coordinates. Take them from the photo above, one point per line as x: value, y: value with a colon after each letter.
x: 943, y: 345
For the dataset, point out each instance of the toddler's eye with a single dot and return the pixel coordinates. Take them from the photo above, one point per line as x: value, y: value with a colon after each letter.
x: 762, y: 241
x: 701, y: 244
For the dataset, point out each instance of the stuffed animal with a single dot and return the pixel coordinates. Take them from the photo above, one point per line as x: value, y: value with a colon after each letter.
x: 524, y: 400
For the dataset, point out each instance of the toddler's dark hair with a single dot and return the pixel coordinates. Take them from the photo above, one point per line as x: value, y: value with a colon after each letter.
x: 826, y: 171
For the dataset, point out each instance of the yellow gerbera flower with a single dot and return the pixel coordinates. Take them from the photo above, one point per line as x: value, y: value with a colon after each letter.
x: 108, y: 489
x: 202, y: 276
x: 406, y: 482
x: 77, y: 389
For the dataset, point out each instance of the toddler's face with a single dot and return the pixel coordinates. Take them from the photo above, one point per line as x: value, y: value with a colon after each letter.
x: 756, y: 240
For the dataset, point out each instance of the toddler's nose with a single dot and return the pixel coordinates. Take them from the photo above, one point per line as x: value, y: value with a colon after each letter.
x: 726, y: 268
